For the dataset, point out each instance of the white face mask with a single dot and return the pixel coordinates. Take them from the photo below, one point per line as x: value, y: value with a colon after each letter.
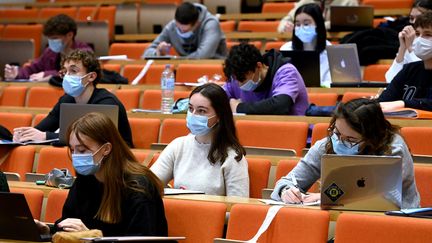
x: 422, y: 48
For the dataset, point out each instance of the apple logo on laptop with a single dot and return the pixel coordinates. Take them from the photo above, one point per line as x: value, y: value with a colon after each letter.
x: 342, y: 63
x: 361, y: 182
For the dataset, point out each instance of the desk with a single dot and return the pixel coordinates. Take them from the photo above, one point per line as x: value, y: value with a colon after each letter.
x: 32, y: 185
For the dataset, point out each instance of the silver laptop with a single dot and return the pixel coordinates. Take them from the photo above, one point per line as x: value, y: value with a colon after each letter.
x: 361, y: 182
x: 15, y: 52
x: 71, y: 112
x: 349, y: 18
x: 16, y: 221
x: 344, y: 63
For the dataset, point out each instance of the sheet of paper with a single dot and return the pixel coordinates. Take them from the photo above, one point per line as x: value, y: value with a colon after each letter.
x: 173, y: 191
x: 273, y: 202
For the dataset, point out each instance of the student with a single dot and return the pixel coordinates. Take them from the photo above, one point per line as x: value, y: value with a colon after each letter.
x: 4, y: 187
x: 60, y: 31
x: 194, y: 33
x: 286, y: 24
x: 83, y: 72
x: 112, y: 192
x: 357, y: 127
x: 210, y: 159
x: 412, y: 86
x: 263, y: 84
x: 406, y: 37
x: 310, y: 34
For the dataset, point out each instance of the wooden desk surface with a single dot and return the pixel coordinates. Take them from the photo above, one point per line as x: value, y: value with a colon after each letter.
x: 32, y: 185
x: 168, y: 61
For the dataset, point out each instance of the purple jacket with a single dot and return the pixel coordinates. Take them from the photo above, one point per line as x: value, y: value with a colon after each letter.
x: 48, y: 62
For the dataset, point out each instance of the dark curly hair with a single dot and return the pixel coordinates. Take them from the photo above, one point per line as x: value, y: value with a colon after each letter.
x: 424, y: 20
x: 241, y: 59
x: 365, y: 117
x: 186, y: 13
x: 88, y: 60
x: 60, y: 25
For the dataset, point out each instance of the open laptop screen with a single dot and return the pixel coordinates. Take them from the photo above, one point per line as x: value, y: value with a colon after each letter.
x: 308, y: 65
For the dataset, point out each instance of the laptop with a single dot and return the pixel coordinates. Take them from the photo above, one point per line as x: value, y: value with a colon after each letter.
x: 308, y: 65
x: 350, y: 18
x: 15, y: 52
x: 361, y: 182
x: 16, y: 221
x: 345, y: 69
x: 70, y: 112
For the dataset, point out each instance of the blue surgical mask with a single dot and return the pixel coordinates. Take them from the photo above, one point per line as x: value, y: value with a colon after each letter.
x: 197, y: 124
x: 56, y: 45
x: 250, y: 85
x: 72, y: 85
x: 340, y: 148
x: 184, y: 35
x: 84, y: 164
x: 306, y: 33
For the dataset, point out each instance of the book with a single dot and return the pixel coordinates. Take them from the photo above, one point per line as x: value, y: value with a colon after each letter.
x: 8, y: 142
x: 409, y: 113
x: 412, y: 212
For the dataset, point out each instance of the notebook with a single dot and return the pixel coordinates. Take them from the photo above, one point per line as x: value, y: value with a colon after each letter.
x: 361, y: 182
x: 350, y: 18
x: 16, y: 221
x: 308, y: 65
x: 345, y: 67
x: 70, y: 112
x: 15, y: 52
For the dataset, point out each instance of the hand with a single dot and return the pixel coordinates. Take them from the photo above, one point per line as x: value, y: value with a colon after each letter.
x: 38, y: 77
x: 22, y: 134
x: 11, y: 72
x: 311, y: 197
x: 43, y: 228
x: 409, y: 35
x: 392, y: 105
x: 292, y: 195
x: 163, y: 48
x: 72, y: 225
x: 288, y: 28
x: 234, y: 103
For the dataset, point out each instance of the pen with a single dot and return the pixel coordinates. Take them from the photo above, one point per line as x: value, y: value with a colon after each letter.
x: 293, y: 178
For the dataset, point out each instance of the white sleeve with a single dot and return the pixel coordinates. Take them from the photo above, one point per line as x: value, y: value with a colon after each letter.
x: 236, y: 176
x: 164, y: 165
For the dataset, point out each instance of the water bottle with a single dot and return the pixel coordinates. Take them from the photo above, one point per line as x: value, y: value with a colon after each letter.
x: 167, y: 88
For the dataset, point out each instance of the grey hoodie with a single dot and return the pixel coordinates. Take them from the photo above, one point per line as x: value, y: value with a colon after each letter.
x: 208, y: 40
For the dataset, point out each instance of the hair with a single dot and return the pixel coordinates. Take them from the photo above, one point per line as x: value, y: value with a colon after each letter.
x: 88, y: 60
x: 424, y: 20
x: 241, y: 59
x: 60, y: 25
x: 224, y: 132
x: 426, y: 4
x: 366, y: 118
x: 314, y: 11
x: 120, y: 168
x: 186, y: 13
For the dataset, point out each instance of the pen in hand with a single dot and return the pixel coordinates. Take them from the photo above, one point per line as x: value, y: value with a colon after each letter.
x: 294, y: 180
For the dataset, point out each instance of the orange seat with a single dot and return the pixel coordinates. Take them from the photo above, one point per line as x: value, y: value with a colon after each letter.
x: 383, y: 4
x: 145, y: 131
x: 132, y: 50
x: 152, y: 98
x: 418, y: 139
x: 290, y: 135
x: 153, y: 75
x: 259, y: 171
x: 107, y: 13
x: 172, y: 128
x: 38, y: 118
x: 227, y: 26
x: 258, y: 26
x: 34, y: 200
x: 30, y: 13
x: 375, y: 72
x: 140, y: 155
x: 54, y: 157
x: 20, y: 160
x: 423, y: 178
x: 319, y: 131
x: 13, y: 96
x: 47, y: 97
x: 46, y: 13
x: 273, y: 45
x: 269, y: 7
x: 112, y: 67
x: 153, y: 159
x: 198, y: 221
x: 129, y: 97
x: 86, y: 13
x: 323, y: 99
x: 54, y: 205
x: 352, y: 228
x: 257, y: 44
x: 347, y: 96
x: 191, y: 72
x: 14, y: 120
x: 34, y: 32
x: 285, y: 166
x: 176, y: 2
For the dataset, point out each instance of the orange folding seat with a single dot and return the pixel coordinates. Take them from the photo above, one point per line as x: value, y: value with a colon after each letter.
x: 423, y: 179
x: 153, y: 159
x: 259, y: 171
x: 112, y: 67
x: 20, y: 160
x: 34, y: 199
x: 191, y: 72
x: 54, y: 205
x: 285, y: 166
x: 38, y: 118
x: 198, y: 221
x: 86, y: 13
x: 273, y: 134
x: 27, y: 13
x: 140, y: 155
x: 270, y: 7
x: 172, y: 128
x: 107, y: 13
x: 152, y: 98
x: 323, y: 99
x: 273, y: 45
x: 54, y: 157
x: 33, y: 31
x: 153, y: 75
x: 227, y: 26
x: 319, y: 131
x: 13, y: 96
x: 145, y: 131
x: 46, y: 13
x: 382, y: 4
x: 47, y: 97
x: 418, y: 139
x: 375, y: 72
x: 258, y: 26
x: 129, y: 97
x: 132, y: 50
x: 13, y: 120
x: 347, y: 96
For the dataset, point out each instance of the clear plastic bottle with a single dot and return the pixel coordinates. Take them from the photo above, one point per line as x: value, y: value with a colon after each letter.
x: 167, y: 88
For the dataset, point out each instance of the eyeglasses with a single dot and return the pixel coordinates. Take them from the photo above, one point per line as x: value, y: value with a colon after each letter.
x: 348, y: 142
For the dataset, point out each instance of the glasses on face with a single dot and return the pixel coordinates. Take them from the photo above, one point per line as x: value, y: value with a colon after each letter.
x: 348, y: 142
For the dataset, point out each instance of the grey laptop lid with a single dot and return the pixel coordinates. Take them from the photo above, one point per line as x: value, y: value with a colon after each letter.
x: 16, y: 52
x: 349, y: 18
x: 344, y: 63
x: 71, y: 112
x: 361, y: 182
x: 16, y: 221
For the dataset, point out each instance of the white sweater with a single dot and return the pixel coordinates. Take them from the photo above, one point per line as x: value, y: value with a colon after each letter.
x: 185, y: 161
